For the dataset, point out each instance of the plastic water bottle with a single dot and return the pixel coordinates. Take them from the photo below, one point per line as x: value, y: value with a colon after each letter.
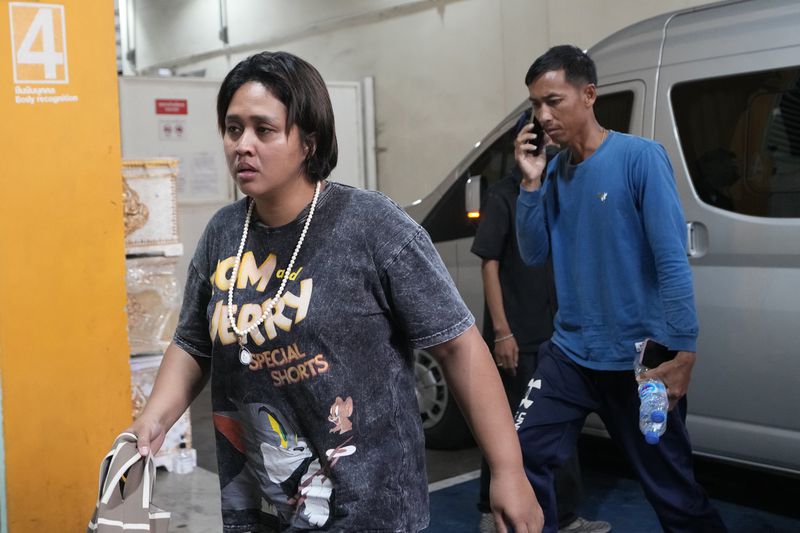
x: 184, y: 462
x: 652, y: 409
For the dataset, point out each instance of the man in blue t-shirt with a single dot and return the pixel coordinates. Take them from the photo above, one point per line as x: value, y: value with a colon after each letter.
x: 607, y: 213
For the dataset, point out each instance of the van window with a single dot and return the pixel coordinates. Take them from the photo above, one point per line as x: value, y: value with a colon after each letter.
x: 613, y: 111
x: 740, y: 137
x: 448, y: 220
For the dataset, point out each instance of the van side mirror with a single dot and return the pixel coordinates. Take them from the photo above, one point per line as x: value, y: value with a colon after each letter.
x: 472, y: 197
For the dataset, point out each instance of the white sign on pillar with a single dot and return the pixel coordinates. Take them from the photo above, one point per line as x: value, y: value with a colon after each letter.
x: 38, y: 43
x: 39, y: 54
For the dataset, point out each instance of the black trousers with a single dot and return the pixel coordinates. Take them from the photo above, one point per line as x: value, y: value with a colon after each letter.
x: 568, y: 485
x: 565, y: 393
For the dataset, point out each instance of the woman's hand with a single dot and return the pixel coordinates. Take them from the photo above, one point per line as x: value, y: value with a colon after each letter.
x: 150, y: 435
x: 514, y: 503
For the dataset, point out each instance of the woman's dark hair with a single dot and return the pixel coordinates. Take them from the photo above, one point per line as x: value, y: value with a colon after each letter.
x: 578, y: 67
x: 299, y: 86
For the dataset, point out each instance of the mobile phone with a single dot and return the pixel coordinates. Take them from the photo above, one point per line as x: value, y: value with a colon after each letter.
x: 538, y: 130
x: 654, y: 353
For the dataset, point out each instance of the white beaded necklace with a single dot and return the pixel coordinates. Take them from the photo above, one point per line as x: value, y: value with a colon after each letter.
x: 245, y: 357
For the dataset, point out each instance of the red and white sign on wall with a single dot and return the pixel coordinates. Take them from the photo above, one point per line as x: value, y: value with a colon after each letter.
x: 171, y: 106
x: 38, y: 42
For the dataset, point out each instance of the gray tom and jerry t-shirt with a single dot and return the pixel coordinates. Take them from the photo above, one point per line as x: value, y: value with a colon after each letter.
x: 323, y: 423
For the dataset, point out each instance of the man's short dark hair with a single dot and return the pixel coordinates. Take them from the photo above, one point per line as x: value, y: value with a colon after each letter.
x: 300, y: 87
x: 578, y: 67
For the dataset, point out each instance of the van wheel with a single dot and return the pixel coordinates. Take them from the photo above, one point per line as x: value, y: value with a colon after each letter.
x: 445, y: 428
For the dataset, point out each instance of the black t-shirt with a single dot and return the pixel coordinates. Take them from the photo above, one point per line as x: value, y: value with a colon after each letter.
x: 529, y: 296
x: 323, y: 423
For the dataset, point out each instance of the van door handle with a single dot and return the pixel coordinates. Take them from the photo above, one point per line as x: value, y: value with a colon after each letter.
x: 696, y: 239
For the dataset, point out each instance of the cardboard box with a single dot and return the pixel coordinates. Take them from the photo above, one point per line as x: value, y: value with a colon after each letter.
x: 150, y: 206
x: 153, y: 303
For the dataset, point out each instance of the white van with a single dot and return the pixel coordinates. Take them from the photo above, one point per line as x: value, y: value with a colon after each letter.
x: 719, y: 87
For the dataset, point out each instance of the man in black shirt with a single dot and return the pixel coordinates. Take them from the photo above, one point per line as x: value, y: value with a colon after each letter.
x: 518, y: 316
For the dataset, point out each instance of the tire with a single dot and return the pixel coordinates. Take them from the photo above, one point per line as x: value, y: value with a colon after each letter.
x: 445, y: 428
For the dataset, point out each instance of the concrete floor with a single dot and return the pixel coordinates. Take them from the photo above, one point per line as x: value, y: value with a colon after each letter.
x: 193, y: 500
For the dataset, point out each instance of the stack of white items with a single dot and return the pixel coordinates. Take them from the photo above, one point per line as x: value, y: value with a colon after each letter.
x: 152, y: 250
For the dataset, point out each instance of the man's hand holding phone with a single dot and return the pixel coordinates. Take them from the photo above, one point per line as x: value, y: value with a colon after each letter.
x: 530, y: 154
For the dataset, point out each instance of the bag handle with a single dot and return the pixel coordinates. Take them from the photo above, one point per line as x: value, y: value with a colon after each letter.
x: 120, y: 508
x: 120, y: 471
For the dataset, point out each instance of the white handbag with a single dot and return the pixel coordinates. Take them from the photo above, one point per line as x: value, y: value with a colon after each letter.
x: 126, y: 487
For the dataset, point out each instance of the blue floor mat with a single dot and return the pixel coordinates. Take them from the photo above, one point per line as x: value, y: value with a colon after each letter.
x: 616, y: 500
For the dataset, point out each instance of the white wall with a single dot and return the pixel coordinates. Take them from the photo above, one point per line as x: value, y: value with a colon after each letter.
x: 445, y: 71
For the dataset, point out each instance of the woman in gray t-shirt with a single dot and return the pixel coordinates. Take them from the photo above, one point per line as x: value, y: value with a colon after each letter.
x: 302, y: 304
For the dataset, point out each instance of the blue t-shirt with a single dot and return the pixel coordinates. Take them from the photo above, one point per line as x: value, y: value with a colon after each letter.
x: 617, y: 234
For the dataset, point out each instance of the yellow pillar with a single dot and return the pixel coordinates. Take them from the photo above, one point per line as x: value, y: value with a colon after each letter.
x: 63, y: 342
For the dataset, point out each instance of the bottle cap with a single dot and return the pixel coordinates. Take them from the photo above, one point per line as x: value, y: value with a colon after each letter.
x: 651, y: 437
x: 658, y: 416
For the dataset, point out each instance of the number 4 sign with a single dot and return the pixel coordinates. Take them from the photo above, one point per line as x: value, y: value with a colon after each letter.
x: 39, y: 42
